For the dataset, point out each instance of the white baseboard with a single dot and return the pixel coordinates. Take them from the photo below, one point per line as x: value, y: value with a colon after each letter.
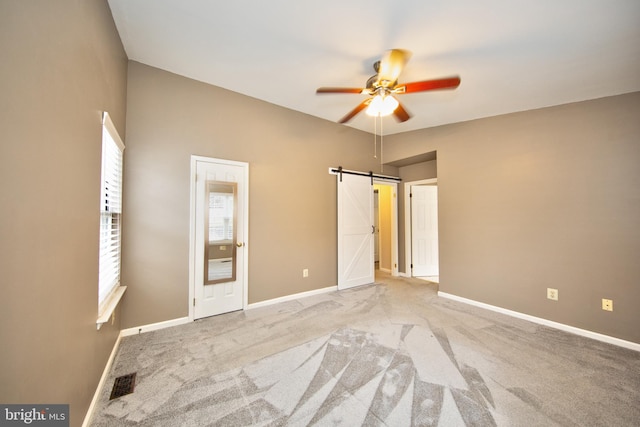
x: 103, y: 379
x: 291, y: 297
x: 154, y: 326
x: 571, y: 329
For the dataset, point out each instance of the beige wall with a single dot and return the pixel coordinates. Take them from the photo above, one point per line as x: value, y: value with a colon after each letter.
x: 292, y: 217
x: 544, y: 198
x: 418, y: 171
x: 62, y: 65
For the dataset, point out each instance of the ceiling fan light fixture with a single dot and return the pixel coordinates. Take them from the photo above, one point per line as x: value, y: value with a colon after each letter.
x: 380, y: 88
x: 382, y: 106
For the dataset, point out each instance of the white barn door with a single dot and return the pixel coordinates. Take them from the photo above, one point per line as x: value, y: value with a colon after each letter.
x: 355, y: 231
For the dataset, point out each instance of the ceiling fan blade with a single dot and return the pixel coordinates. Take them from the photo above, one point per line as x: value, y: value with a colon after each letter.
x: 401, y: 114
x: 445, y: 83
x: 391, y: 66
x: 339, y: 90
x: 355, y: 111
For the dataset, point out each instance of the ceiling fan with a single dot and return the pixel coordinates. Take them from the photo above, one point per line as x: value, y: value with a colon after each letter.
x: 381, y: 86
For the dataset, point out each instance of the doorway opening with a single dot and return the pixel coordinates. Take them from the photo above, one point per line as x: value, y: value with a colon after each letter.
x: 421, y: 234
x: 384, y: 204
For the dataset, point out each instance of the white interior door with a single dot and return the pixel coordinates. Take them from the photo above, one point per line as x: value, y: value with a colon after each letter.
x: 355, y: 231
x: 219, y: 234
x: 424, y: 230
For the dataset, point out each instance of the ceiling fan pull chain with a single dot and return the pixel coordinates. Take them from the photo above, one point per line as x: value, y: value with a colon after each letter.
x: 375, y: 142
x: 381, y: 136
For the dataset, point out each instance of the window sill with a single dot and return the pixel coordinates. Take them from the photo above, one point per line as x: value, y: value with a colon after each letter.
x: 110, y: 306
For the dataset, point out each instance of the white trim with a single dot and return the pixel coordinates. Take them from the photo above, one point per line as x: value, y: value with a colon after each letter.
x: 111, y: 128
x: 394, y: 225
x: 110, y: 262
x: 291, y: 297
x: 192, y: 236
x: 571, y: 329
x: 154, y: 326
x: 109, y: 305
x: 407, y: 221
x: 103, y: 379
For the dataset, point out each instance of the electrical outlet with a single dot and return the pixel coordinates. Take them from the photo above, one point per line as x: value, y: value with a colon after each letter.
x: 552, y: 294
x: 305, y: 272
x: 607, y: 304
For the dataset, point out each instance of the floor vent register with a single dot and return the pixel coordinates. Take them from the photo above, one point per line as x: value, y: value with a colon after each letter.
x: 123, y: 385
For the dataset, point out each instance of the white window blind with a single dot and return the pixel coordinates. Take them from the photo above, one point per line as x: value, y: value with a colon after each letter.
x: 110, y: 210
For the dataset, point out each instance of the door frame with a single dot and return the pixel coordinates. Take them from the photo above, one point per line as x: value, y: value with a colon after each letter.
x: 192, y: 229
x: 394, y: 222
x: 407, y: 221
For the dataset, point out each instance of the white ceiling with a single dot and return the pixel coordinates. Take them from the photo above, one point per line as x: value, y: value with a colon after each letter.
x: 512, y: 55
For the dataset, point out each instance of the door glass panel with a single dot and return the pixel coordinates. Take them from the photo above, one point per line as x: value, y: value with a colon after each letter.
x: 220, y: 232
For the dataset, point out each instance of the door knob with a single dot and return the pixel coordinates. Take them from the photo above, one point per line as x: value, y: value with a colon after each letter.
x: 239, y: 244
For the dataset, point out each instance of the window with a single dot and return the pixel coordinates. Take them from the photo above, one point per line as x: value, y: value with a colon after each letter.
x: 110, y: 211
x: 221, y: 214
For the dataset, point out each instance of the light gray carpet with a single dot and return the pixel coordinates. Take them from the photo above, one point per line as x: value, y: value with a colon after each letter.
x: 389, y: 354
